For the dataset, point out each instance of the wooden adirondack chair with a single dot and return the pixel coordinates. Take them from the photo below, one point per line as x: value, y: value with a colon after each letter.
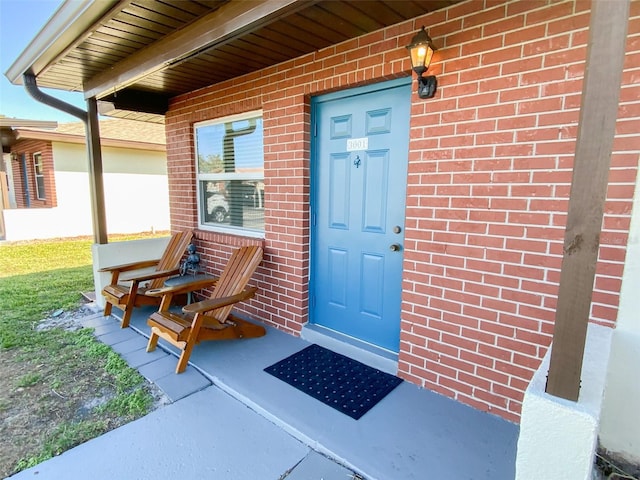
x: 133, y: 294
x: 209, y: 319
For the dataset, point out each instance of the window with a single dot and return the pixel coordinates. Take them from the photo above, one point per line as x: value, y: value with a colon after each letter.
x: 38, y: 168
x: 230, y: 174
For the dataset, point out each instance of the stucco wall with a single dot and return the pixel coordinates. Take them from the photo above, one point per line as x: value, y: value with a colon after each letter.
x: 558, y: 437
x: 490, y: 167
x: 620, y: 425
x: 136, y: 195
x: 119, y: 253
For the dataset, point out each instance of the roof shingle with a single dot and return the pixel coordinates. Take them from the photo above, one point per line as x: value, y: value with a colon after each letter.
x: 119, y: 129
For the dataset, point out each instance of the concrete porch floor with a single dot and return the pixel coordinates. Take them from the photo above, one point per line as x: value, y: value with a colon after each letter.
x: 231, y: 420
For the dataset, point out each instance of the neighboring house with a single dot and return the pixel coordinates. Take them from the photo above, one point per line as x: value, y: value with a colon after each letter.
x: 429, y: 231
x: 49, y: 183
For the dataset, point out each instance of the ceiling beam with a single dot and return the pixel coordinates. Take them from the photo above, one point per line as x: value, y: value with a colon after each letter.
x: 136, y: 101
x: 229, y: 21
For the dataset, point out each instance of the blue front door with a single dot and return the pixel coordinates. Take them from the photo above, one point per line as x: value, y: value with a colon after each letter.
x: 359, y: 174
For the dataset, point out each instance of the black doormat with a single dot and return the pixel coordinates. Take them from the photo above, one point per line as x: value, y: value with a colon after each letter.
x: 338, y: 381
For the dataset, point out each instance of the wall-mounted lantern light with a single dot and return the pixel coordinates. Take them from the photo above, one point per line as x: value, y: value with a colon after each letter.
x: 421, y: 50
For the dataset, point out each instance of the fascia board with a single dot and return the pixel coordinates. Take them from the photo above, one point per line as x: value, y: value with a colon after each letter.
x: 69, y: 22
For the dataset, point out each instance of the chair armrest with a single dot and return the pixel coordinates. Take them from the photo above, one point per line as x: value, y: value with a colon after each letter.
x: 183, y: 288
x: 125, y: 267
x: 213, y: 303
x: 152, y: 275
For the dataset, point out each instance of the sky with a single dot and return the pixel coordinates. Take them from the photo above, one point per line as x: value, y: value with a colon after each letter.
x: 20, y: 21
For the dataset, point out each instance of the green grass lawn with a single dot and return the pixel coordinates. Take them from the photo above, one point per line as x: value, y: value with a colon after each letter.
x: 37, y: 278
x: 52, y: 373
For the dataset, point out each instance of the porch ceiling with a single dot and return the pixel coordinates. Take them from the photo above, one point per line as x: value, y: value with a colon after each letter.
x: 137, y: 54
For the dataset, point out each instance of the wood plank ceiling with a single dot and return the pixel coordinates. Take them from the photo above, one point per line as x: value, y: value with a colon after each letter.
x: 132, y: 26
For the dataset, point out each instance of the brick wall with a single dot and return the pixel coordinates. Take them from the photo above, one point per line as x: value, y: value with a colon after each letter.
x: 28, y: 148
x: 489, y: 177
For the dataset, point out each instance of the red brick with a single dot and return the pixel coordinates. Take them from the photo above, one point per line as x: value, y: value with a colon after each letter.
x: 422, y: 356
x: 512, y: 369
x: 460, y: 342
x: 440, y: 389
x: 490, y: 398
x: 533, y: 338
x: 521, y: 65
x: 573, y: 22
x: 479, y: 336
x: 455, y: 385
x: 529, y: 362
x: 493, y: 375
x: 507, y: 392
x: 500, y: 83
x: 521, y: 7
x: 479, y: 313
x: 487, y: 15
x: 606, y: 314
x: 490, y: 166
x: 444, y: 327
x: 518, y: 347
x: 463, y: 274
x: 474, y: 380
x: 502, y: 328
x: 543, y: 15
x: 458, y: 115
x: 521, y: 35
x: 481, y: 73
x: 460, y: 320
x: 524, y: 121
x: 473, y: 152
x: 481, y: 45
x: 497, y: 111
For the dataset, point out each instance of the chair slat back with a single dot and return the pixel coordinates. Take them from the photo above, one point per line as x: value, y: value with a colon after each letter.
x: 236, y: 275
x: 172, y: 255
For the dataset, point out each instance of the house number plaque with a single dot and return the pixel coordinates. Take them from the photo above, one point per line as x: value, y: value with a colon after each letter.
x: 354, y: 144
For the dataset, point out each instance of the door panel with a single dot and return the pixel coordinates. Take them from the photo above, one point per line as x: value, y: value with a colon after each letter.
x: 337, y: 277
x: 339, y: 191
x: 374, y: 198
x: 359, y: 188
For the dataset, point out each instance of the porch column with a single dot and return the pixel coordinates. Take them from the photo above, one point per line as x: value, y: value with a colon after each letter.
x: 95, y: 173
x: 596, y: 132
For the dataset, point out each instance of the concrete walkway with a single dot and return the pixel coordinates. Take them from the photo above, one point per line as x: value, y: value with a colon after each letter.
x: 231, y: 420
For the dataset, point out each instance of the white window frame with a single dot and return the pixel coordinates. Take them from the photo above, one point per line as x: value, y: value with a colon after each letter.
x: 38, y: 164
x: 200, y: 177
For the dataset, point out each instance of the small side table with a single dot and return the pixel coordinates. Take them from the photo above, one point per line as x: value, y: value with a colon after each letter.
x: 193, y: 281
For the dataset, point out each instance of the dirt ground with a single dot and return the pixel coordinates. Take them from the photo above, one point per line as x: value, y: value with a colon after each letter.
x: 31, y: 408
x: 609, y: 467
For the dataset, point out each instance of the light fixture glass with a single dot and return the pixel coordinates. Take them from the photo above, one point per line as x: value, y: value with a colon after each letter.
x: 421, y: 51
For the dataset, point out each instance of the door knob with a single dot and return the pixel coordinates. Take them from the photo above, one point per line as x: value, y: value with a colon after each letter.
x: 397, y: 229
x: 395, y: 247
